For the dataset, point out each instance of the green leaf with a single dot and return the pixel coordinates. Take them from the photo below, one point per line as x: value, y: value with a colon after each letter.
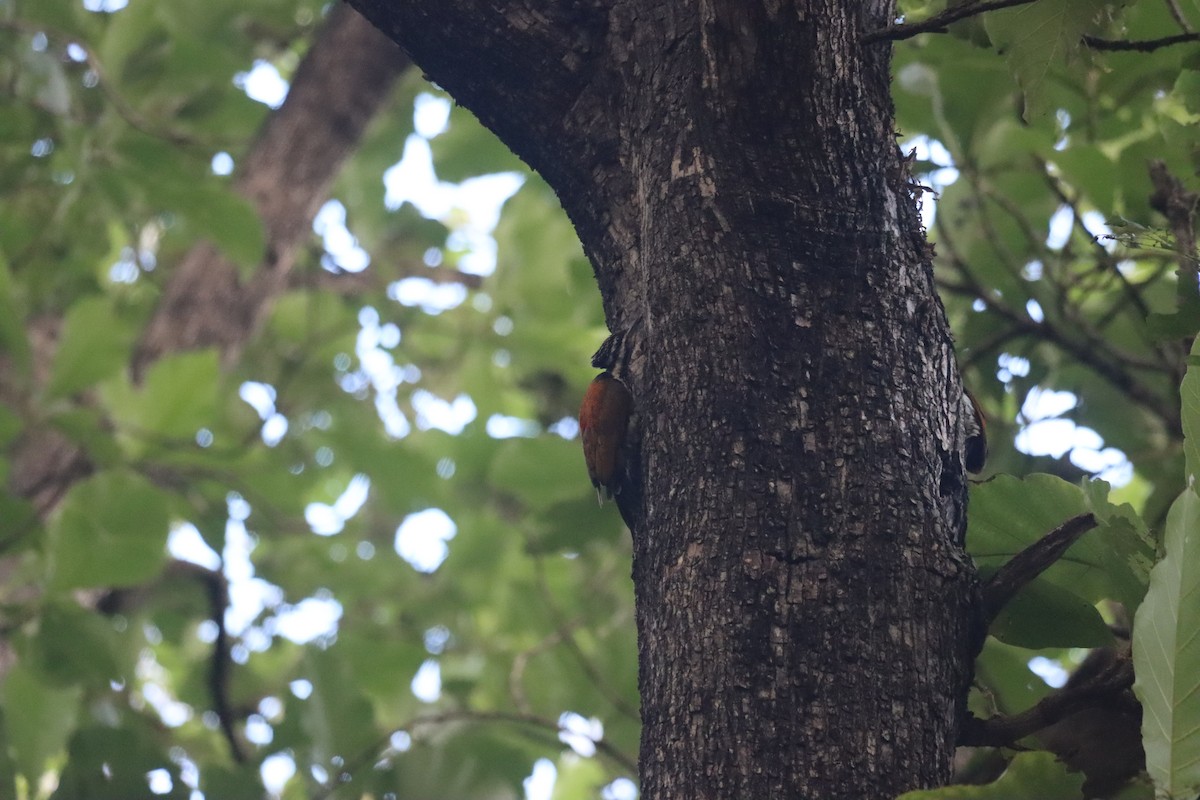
x: 571, y: 525
x: 96, y: 343
x: 111, y: 531
x: 1166, y: 656
x: 173, y: 182
x: 243, y: 782
x: 467, y: 149
x: 536, y: 470
x: 1029, y: 775
x: 73, y: 646
x: 177, y: 398
x: 337, y: 716
x: 38, y: 719
x: 1043, y: 615
x: 1007, y: 514
x: 12, y: 333
x: 112, y: 763
x: 1189, y: 395
x: 1037, y: 37
x: 1004, y: 671
x: 231, y: 221
x: 578, y: 778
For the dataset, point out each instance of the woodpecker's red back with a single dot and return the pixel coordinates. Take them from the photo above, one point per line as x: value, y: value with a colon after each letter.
x: 604, y: 415
x: 975, y: 449
x: 603, y: 419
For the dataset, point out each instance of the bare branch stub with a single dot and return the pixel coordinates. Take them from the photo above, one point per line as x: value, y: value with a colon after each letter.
x: 1031, y: 562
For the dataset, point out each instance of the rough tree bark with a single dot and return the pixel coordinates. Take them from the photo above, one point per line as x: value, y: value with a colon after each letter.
x: 803, y: 598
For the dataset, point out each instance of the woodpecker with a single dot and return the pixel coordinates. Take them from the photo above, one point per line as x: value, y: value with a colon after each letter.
x: 604, y: 415
x: 975, y: 449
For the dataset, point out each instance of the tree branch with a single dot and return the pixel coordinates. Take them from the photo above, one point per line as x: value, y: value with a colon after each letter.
x: 1026, y: 565
x: 541, y: 62
x: 1140, y: 46
x: 1088, y: 688
x: 938, y: 22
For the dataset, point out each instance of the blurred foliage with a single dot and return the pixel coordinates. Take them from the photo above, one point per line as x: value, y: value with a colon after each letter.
x: 353, y: 411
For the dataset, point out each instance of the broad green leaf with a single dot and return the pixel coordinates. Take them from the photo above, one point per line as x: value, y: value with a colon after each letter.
x: 113, y: 763
x: 76, y: 646
x: 537, y: 471
x: 578, y: 778
x: 13, y: 341
x: 230, y: 221
x: 177, y: 398
x: 38, y: 719
x: 174, y: 183
x: 1166, y: 656
x: 111, y: 531
x: 242, y: 782
x: 1011, y: 687
x: 540, y: 266
x: 1008, y: 514
x: 337, y: 716
x: 1037, y: 37
x: 572, y: 525
x: 1189, y: 395
x: 1043, y: 615
x: 468, y: 149
x: 96, y: 342
x: 1029, y: 775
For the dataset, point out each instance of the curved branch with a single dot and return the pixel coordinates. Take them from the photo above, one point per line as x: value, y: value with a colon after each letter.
x: 1139, y: 46
x: 938, y: 22
x: 540, y: 60
x: 1026, y: 565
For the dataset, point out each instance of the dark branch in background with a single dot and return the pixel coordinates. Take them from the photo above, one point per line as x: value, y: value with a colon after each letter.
x: 1177, y: 15
x: 344, y: 79
x: 1093, y: 352
x: 1169, y: 358
x: 1092, y: 724
x: 1026, y: 565
x: 938, y: 22
x: 131, y: 600
x: 1101, y: 686
x: 1172, y: 199
x: 217, y: 590
x: 1143, y: 46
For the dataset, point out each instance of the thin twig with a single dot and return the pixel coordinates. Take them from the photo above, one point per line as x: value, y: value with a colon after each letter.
x: 1104, y: 364
x: 938, y: 22
x: 1139, y: 46
x: 1177, y: 15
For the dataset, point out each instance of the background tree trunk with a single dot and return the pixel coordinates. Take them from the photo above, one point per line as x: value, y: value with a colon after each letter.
x: 803, y: 597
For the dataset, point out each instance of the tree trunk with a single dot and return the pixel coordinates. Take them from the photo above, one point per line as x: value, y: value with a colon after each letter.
x: 803, y: 597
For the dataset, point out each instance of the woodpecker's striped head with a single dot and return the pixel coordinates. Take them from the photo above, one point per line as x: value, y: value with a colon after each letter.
x: 621, y: 353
